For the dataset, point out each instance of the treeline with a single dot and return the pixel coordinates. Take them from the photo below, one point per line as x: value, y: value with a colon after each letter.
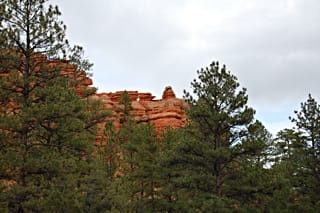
x: 224, y: 160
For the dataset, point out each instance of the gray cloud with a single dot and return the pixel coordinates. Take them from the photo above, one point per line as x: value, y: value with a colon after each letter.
x: 273, y: 47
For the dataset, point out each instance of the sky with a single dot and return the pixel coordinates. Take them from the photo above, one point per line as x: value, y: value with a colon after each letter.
x: 273, y: 47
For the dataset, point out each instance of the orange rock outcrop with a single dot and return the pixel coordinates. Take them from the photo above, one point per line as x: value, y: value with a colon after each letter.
x: 161, y: 113
x: 168, y: 111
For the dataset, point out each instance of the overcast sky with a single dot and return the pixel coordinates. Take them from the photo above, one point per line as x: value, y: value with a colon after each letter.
x: 273, y: 46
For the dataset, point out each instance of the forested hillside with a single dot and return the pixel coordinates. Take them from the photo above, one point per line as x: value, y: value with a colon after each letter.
x: 222, y: 160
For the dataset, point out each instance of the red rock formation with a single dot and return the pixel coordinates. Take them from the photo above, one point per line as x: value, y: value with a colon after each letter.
x: 168, y: 111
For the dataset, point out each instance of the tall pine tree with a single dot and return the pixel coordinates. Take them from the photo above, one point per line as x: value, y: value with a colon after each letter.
x: 307, y: 153
x: 46, y: 130
x: 215, y: 142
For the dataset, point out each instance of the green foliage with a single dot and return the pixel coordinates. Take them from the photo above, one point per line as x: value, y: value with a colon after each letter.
x: 166, y: 194
x: 307, y: 122
x: 104, y: 193
x: 219, y: 108
x: 141, y: 150
x: 306, y: 153
x: 220, y: 143
x: 126, y: 107
x: 32, y: 26
x: 297, y: 161
x: 222, y: 161
x: 111, y: 149
x: 46, y: 129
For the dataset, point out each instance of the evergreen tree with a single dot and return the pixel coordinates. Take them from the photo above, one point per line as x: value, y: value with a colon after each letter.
x: 145, y: 161
x: 46, y: 130
x: 108, y: 189
x: 297, y: 162
x: 126, y: 107
x: 105, y: 192
x: 166, y: 193
x: 128, y: 125
x: 251, y: 181
x: 111, y: 148
x: 307, y: 153
x: 214, y: 142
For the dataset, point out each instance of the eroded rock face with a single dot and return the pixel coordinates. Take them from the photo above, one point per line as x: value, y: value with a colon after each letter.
x: 168, y: 111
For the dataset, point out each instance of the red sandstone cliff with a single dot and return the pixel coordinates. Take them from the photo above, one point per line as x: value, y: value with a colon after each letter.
x: 168, y: 111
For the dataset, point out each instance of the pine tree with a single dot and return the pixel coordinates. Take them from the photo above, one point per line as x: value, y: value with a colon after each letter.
x: 297, y: 162
x: 251, y: 182
x: 306, y: 155
x: 105, y: 192
x: 166, y: 193
x: 145, y: 167
x: 219, y: 122
x: 126, y: 107
x: 46, y: 130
